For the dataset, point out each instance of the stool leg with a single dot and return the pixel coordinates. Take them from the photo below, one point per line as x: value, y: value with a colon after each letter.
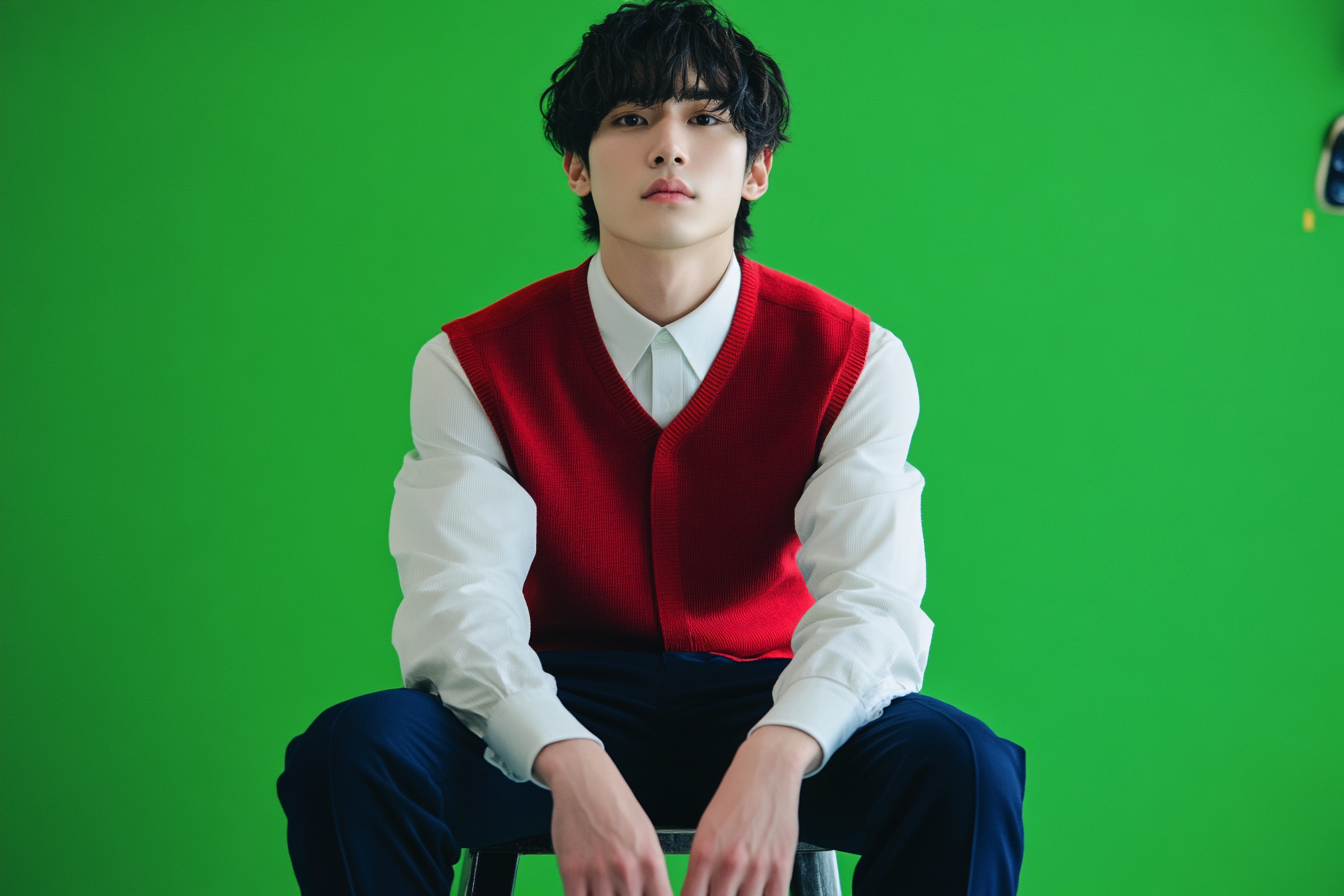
x: 488, y: 874
x: 815, y: 874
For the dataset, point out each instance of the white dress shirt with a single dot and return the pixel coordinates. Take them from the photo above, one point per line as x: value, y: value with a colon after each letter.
x: 463, y: 533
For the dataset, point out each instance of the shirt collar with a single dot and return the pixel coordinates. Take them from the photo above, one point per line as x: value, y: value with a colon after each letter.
x: 627, y: 333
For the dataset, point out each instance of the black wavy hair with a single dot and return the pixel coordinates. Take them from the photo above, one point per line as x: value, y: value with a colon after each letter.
x: 658, y: 51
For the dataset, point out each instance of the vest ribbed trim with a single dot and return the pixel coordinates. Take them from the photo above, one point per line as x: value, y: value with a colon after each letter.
x: 859, y: 334
x: 604, y: 368
x: 460, y: 338
x: 666, y: 484
x: 722, y: 368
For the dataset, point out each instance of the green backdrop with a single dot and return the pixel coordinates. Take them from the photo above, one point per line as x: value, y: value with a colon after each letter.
x: 226, y: 228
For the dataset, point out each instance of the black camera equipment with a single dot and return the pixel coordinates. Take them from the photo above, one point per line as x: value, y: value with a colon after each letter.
x: 1330, y: 174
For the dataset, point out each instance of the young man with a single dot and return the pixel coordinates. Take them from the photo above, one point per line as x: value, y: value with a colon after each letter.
x: 660, y: 548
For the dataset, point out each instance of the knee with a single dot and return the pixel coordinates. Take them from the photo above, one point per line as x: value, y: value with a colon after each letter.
x: 954, y: 751
x: 307, y: 762
x: 375, y: 727
x: 940, y: 749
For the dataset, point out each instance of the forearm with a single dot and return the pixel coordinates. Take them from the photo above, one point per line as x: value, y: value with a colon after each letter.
x: 862, y: 555
x: 463, y: 534
x: 853, y: 653
x: 603, y: 840
x: 745, y: 840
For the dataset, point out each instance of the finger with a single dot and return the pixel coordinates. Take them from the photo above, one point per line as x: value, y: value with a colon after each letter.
x: 697, y: 876
x: 624, y: 875
x: 598, y: 885
x: 730, y: 869
x: 754, y: 881
x: 778, y: 877
x: 658, y: 884
x: 656, y: 881
x: 573, y: 884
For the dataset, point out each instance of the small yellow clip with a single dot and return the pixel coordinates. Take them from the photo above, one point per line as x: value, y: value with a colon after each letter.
x: 1308, y: 220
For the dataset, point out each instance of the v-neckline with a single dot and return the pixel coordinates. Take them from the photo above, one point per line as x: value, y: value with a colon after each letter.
x: 716, y: 377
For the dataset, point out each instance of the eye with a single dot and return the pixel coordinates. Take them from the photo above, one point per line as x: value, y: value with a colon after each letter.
x: 629, y: 120
x: 704, y: 119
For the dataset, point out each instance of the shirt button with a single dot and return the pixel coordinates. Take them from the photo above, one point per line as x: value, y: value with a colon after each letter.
x: 663, y: 336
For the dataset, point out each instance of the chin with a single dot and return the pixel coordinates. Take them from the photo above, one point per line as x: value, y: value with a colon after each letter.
x: 669, y: 235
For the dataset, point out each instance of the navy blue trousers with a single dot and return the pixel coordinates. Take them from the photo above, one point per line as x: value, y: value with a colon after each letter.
x: 383, y: 791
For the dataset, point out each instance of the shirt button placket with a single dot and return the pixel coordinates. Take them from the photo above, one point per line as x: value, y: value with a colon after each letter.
x: 666, y: 374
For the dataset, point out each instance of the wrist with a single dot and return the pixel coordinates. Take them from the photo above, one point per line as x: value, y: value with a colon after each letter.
x: 556, y: 762
x: 791, y: 750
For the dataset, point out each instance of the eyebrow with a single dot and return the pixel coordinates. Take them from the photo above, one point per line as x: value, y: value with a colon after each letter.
x: 693, y: 96
x: 700, y: 95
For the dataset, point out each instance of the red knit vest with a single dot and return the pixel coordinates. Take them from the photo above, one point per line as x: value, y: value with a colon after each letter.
x: 664, y: 539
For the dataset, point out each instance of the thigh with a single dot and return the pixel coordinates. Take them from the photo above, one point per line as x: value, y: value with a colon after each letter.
x: 406, y: 745
x: 621, y: 696
x: 921, y: 770
x: 718, y: 702
x: 670, y: 721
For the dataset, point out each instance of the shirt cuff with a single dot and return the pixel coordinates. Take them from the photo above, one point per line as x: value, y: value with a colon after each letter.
x: 823, y: 708
x: 521, y: 725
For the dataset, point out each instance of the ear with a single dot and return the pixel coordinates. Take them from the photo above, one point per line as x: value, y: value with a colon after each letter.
x: 758, y: 176
x: 577, y: 172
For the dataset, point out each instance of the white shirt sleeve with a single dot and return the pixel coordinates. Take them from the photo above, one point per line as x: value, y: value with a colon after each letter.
x: 866, y: 640
x: 463, y: 533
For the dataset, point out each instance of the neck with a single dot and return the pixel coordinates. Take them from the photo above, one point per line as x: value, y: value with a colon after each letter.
x: 665, y: 284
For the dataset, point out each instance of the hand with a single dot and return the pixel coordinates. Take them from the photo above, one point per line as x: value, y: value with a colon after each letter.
x: 746, y: 839
x: 604, y: 843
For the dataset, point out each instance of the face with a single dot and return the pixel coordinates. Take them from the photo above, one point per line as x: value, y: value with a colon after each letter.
x: 668, y: 176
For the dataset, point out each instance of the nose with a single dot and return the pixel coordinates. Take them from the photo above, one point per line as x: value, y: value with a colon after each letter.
x: 667, y: 146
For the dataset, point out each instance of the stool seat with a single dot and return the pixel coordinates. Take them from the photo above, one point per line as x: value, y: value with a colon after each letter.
x: 490, y: 870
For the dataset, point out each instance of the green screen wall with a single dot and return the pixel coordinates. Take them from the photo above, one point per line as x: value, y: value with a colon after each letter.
x: 226, y: 228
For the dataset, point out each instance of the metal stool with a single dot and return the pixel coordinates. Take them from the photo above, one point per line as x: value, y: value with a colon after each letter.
x: 490, y: 870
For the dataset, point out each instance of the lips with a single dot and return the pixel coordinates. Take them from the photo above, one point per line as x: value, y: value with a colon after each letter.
x: 666, y: 188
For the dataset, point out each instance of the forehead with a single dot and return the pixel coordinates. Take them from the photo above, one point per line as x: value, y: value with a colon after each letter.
x: 698, y: 101
x: 648, y: 85
x: 698, y: 97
